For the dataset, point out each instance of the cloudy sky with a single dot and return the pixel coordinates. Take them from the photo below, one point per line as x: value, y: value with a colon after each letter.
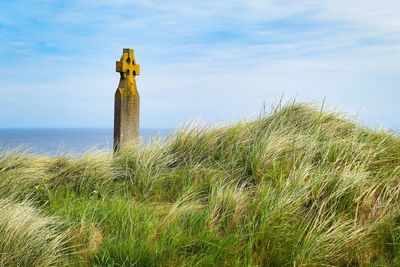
x: 208, y: 60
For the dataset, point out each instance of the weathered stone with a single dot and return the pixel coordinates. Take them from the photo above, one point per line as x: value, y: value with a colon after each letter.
x: 127, y: 101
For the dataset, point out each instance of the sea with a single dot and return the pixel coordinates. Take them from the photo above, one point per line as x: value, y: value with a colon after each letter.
x: 69, y: 142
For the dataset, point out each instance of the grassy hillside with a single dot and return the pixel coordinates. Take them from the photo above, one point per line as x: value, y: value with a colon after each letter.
x: 297, y: 188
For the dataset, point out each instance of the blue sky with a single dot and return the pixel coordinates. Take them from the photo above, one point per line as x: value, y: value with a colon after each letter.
x: 213, y: 61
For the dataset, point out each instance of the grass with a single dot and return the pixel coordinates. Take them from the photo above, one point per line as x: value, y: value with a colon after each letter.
x: 299, y: 187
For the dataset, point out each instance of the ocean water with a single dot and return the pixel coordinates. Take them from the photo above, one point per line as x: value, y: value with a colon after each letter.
x: 73, y: 142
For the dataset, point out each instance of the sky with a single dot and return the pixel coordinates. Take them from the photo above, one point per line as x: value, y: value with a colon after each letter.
x: 213, y: 61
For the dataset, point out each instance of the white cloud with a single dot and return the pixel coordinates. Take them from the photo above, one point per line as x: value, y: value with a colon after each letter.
x: 346, y: 51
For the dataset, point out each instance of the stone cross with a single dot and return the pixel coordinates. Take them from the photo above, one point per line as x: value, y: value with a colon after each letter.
x: 127, y: 102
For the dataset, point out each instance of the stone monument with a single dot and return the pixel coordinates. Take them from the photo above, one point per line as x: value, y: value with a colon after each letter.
x: 127, y: 101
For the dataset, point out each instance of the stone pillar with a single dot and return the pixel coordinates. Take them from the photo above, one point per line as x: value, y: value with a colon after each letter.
x: 127, y: 102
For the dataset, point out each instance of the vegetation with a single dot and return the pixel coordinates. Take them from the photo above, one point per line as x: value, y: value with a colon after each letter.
x: 299, y: 187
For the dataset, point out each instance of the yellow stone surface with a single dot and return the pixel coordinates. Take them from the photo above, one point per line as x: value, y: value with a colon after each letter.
x: 127, y: 101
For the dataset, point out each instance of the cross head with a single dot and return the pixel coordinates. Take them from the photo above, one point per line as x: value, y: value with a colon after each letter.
x: 127, y: 66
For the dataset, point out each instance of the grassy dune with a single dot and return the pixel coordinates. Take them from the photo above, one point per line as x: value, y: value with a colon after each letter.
x: 299, y: 187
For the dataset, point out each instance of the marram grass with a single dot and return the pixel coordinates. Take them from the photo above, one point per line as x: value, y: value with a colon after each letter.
x: 299, y: 187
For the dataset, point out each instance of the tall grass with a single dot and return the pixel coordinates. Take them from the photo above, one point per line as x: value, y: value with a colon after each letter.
x: 28, y: 238
x: 297, y: 187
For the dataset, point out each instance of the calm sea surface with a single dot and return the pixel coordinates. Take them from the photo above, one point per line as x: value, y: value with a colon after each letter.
x: 73, y: 142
